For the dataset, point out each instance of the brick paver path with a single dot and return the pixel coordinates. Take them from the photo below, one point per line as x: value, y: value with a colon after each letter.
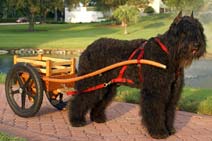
x: 123, y: 125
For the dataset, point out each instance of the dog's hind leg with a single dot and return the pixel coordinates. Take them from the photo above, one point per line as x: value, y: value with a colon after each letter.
x: 98, y: 111
x: 176, y: 89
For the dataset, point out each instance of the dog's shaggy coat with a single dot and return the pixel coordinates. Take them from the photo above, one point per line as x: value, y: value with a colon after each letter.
x: 160, y: 89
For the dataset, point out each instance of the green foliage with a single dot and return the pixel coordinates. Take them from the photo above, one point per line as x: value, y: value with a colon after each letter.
x: 113, y: 4
x: 205, y: 107
x: 108, y: 4
x: 5, y: 137
x: 192, y: 100
x: 184, y: 4
x: 127, y: 94
x: 197, y: 101
x: 8, y: 20
x: 138, y: 3
x: 149, y: 10
x: 126, y: 13
x: 2, y: 77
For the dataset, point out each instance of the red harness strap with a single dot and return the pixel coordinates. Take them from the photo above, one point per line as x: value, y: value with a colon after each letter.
x: 120, y: 78
x: 162, y: 46
x: 140, y: 56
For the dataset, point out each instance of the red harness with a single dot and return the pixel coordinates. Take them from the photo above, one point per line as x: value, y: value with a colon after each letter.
x: 120, y: 78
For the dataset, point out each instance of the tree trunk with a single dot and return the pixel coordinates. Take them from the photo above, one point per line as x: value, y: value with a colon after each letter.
x: 55, y: 14
x: 122, y: 23
x: 125, y: 27
x: 43, y: 17
x: 31, y: 23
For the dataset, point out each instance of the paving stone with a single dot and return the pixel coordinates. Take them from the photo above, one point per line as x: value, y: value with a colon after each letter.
x: 123, y: 124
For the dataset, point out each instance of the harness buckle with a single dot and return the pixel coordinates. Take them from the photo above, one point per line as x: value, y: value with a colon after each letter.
x: 107, y: 84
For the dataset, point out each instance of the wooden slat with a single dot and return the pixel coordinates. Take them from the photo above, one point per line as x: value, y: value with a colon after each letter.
x: 31, y: 61
x: 53, y: 59
x: 41, y: 70
x: 48, y: 68
x: 59, y: 67
x: 61, y: 63
x: 30, y: 58
x: 40, y: 56
x: 15, y: 59
x: 67, y: 69
x: 73, y: 69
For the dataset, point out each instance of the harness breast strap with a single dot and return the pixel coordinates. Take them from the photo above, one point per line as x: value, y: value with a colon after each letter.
x: 120, y: 78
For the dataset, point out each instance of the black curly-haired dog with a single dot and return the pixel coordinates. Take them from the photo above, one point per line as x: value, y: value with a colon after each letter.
x: 160, y: 88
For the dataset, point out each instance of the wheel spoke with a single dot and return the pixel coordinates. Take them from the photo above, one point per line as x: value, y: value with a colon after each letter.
x: 27, y: 82
x: 30, y: 95
x: 15, y: 91
x: 23, y: 100
x: 19, y: 80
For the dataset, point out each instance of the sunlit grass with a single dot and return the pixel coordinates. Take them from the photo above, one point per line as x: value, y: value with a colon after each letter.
x: 192, y: 99
x: 2, y: 77
x: 6, y: 137
x: 76, y: 36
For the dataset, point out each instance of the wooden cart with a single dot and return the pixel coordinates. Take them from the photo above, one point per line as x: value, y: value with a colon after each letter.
x: 24, y: 85
x: 30, y: 77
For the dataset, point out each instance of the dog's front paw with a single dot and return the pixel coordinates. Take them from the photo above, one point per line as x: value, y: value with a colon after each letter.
x: 78, y: 123
x: 100, y: 118
x: 159, y: 134
x: 172, y: 131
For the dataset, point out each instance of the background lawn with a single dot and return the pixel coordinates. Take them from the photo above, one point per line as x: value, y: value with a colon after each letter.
x: 78, y: 36
x: 6, y: 137
x: 192, y: 99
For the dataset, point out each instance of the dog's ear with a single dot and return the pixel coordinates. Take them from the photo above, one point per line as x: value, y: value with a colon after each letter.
x: 192, y: 14
x: 179, y: 16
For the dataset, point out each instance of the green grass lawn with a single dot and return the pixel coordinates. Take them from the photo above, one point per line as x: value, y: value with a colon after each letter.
x: 2, y: 77
x: 6, y: 137
x: 192, y: 99
x: 75, y: 36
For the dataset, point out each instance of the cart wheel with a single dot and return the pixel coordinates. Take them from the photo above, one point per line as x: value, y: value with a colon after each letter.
x: 56, y: 101
x: 24, y: 89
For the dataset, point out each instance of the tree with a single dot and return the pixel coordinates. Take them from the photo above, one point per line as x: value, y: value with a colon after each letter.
x: 184, y: 4
x: 75, y: 3
x: 6, y: 9
x: 85, y: 2
x: 138, y: 3
x: 51, y: 6
x: 109, y: 4
x: 126, y: 14
x: 30, y: 8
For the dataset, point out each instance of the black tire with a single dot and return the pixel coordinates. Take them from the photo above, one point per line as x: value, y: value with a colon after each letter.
x: 56, y: 102
x: 24, y: 89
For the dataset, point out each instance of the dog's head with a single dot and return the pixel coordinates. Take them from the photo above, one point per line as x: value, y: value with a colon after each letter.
x: 189, y: 37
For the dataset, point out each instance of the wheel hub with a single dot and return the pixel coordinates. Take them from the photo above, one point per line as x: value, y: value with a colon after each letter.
x: 21, y: 90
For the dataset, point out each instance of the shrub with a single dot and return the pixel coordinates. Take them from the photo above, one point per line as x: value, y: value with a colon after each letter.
x: 8, y: 20
x: 149, y: 10
x: 192, y: 99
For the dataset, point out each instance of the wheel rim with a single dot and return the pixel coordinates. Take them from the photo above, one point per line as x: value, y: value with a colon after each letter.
x: 23, y: 90
x: 56, y: 100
